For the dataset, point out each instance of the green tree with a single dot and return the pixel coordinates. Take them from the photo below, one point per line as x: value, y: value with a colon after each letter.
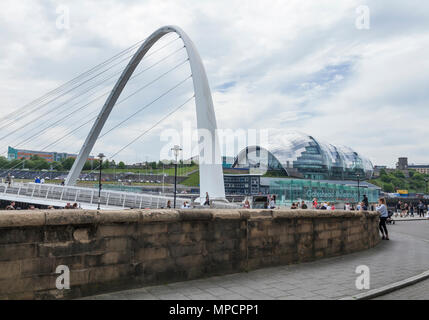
x: 67, y: 163
x: 418, y: 177
x: 121, y: 165
x: 388, y: 187
x: 3, y: 162
x: 15, y: 164
x: 57, y: 166
x: 398, y: 174
x: 386, y: 178
x: 87, y: 165
x: 106, y: 164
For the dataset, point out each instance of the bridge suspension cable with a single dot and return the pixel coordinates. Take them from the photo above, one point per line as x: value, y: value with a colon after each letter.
x: 74, y: 81
x: 85, y: 106
x: 56, y: 108
x: 64, y: 86
x: 135, y: 113
x: 144, y: 133
x: 122, y: 101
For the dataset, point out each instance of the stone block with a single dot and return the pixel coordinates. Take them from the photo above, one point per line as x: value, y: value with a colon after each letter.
x: 152, y: 228
x: 11, y: 252
x: 117, y: 257
x: 10, y: 269
x: 117, y: 244
x: 14, y: 219
x: 147, y: 254
x: 116, y: 230
x: 67, y: 217
x: 109, y: 273
x: 20, y: 235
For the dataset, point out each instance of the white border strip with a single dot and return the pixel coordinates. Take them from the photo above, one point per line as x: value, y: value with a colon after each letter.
x: 389, y: 288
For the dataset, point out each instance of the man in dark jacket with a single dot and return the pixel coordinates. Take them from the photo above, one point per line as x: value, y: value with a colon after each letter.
x: 365, y: 202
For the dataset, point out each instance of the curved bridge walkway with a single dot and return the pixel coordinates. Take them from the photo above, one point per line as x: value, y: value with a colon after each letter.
x: 87, y: 198
x: 404, y: 256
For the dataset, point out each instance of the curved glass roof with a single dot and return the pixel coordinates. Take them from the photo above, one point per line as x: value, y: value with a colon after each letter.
x: 303, y: 156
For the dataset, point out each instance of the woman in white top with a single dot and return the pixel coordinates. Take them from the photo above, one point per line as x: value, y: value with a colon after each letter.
x: 384, y: 214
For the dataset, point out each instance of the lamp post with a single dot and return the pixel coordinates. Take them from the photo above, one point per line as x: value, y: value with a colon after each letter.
x: 176, y: 151
x: 100, y: 156
x: 358, y: 181
x: 426, y: 180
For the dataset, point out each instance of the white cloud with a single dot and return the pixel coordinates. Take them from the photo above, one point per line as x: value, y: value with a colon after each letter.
x: 284, y: 65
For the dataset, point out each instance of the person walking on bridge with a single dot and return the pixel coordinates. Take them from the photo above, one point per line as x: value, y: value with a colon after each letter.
x: 382, y: 209
x: 207, y: 203
x: 9, y: 179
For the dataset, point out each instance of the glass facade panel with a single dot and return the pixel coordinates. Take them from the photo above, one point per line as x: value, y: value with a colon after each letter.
x: 294, y: 190
x: 302, y: 156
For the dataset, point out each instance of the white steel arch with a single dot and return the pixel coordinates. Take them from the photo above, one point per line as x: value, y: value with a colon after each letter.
x: 211, y: 175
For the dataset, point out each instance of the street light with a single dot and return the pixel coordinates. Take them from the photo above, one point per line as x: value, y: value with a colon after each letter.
x: 358, y: 181
x: 176, y: 151
x: 100, y: 156
x: 426, y: 180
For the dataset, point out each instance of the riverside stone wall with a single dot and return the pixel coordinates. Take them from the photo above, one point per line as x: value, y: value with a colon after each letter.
x: 107, y: 251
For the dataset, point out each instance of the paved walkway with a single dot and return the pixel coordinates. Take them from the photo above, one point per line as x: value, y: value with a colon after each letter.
x: 405, y: 255
x: 410, y: 218
x: 419, y: 291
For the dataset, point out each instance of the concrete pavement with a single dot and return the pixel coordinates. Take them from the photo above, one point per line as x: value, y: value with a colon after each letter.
x: 418, y: 291
x: 405, y: 255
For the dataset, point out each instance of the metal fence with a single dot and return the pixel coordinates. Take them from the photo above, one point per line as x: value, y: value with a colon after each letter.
x: 50, y: 193
x: 108, y: 198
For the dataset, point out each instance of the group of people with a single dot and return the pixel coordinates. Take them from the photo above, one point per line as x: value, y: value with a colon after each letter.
x: 69, y: 206
x: 14, y: 206
x: 299, y: 205
x: 404, y: 209
x: 187, y: 205
x: 39, y: 180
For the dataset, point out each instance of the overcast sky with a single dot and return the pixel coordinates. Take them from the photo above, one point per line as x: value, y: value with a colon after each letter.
x: 285, y: 65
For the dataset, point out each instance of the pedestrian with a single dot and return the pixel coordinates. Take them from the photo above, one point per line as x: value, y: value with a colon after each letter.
x: 421, y: 209
x: 9, y: 179
x: 11, y: 206
x: 246, y: 204
x: 403, y: 209
x: 315, y: 203
x: 169, y: 204
x: 272, y: 204
x: 303, y: 205
x: 207, y: 203
x: 359, y: 207
x: 384, y: 214
x: 365, y: 202
x: 185, y: 205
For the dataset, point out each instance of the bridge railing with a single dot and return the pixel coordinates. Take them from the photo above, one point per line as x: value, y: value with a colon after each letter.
x: 108, y: 198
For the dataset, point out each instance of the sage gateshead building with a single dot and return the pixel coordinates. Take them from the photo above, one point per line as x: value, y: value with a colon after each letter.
x: 297, y: 155
x: 297, y: 167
